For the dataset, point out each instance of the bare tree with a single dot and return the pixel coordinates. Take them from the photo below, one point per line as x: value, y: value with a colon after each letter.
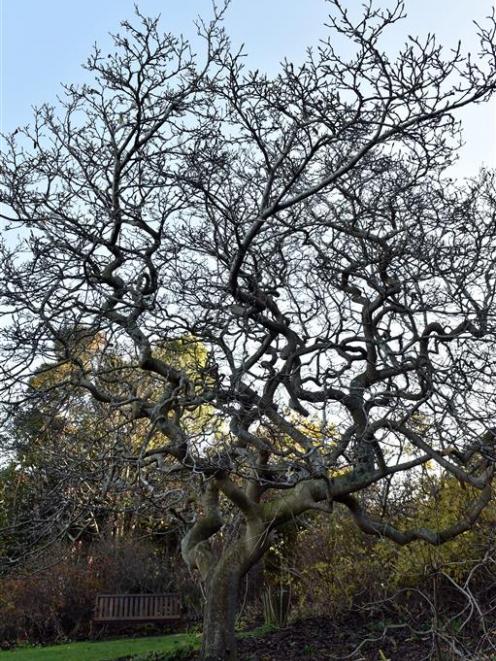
x: 302, y: 228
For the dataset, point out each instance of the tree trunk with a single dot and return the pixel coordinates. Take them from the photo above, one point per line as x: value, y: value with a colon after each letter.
x: 219, y: 640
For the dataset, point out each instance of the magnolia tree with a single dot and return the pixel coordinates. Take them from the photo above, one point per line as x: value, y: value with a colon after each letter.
x: 302, y: 230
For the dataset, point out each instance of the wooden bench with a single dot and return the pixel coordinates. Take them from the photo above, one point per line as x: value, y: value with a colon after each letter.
x: 137, y: 608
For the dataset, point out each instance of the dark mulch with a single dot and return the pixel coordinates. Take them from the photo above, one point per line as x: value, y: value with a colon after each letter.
x: 320, y: 638
x: 357, y: 639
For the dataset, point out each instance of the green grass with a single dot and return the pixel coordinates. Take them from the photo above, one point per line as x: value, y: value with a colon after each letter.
x: 107, y: 650
x: 102, y: 650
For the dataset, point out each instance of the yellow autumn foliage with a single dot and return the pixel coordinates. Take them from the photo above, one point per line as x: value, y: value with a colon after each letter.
x: 337, y: 565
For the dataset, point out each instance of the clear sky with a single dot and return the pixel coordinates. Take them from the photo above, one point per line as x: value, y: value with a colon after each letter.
x: 44, y: 42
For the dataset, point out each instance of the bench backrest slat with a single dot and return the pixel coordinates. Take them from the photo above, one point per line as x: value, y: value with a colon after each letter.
x: 137, y: 607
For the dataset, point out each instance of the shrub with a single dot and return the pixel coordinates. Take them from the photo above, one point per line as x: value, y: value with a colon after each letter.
x: 52, y: 598
x: 336, y: 567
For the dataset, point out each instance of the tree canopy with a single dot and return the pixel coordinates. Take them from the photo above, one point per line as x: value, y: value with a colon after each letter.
x: 304, y: 231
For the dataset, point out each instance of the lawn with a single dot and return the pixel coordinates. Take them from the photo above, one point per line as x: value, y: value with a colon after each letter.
x: 102, y: 650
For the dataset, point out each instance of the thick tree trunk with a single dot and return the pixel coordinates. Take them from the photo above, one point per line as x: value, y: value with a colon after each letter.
x: 222, y: 572
x: 219, y: 640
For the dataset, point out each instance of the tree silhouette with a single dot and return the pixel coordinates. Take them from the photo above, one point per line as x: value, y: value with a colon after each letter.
x: 304, y: 228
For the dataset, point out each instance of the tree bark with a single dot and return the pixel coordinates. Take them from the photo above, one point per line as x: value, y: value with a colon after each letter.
x: 219, y: 640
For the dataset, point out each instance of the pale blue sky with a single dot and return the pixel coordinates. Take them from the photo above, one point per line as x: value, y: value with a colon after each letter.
x: 43, y: 43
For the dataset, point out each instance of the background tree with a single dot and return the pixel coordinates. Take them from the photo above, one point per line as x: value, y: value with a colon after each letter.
x: 77, y: 468
x: 305, y: 230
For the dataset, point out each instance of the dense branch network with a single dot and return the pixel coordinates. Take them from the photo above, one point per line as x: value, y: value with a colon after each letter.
x: 303, y: 230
